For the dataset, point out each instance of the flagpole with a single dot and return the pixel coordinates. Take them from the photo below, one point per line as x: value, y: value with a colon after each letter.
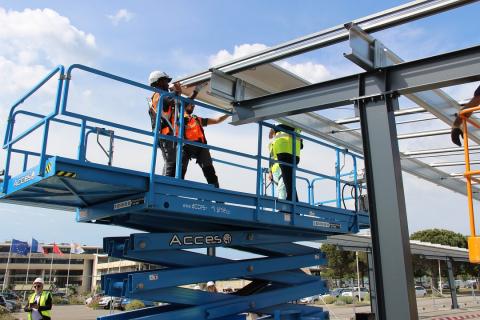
x: 51, y: 266
x: 68, y: 271
x: 6, y: 269
x: 28, y: 266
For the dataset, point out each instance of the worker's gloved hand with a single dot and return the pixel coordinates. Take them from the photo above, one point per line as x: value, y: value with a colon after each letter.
x: 455, y: 136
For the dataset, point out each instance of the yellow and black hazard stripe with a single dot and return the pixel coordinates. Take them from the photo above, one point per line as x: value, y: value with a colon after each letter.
x: 48, y: 167
x: 66, y: 174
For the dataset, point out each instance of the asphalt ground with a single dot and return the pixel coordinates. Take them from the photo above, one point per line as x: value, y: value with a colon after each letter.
x: 429, y: 309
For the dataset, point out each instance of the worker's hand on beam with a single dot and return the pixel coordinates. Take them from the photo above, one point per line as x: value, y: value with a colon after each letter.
x: 177, y: 88
x: 455, y: 136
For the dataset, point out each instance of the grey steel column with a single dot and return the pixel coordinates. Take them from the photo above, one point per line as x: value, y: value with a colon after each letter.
x: 390, y: 239
x: 371, y: 283
x: 451, y: 283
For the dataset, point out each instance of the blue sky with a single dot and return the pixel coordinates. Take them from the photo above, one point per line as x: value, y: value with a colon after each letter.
x: 132, y: 38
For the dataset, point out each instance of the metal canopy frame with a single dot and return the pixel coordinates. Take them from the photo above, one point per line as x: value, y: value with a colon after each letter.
x: 375, y: 94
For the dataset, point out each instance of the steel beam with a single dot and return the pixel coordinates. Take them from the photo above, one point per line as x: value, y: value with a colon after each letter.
x: 321, y: 127
x: 437, y: 151
x: 394, y: 281
x: 403, y: 112
x: 443, y: 70
x: 392, y: 17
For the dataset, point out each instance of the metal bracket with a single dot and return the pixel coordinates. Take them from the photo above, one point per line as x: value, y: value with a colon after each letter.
x: 109, y: 133
x: 231, y: 88
x: 367, y: 52
x: 65, y: 77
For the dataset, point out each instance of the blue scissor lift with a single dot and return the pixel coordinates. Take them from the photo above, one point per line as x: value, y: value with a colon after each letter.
x: 175, y: 215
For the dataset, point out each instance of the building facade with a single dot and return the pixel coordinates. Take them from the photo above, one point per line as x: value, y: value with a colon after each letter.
x: 76, y: 270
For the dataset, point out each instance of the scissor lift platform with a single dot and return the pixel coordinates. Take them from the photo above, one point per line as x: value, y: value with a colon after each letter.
x: 178, y: 215
x: 105, y: 194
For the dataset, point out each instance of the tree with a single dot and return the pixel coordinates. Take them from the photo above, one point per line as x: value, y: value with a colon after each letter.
x: 441, y: 236
x: 340, y: 263
x: 444, y: 237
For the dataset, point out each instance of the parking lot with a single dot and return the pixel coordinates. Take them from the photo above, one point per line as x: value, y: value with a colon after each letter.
x: 428, y: 309
x: 71, y: 312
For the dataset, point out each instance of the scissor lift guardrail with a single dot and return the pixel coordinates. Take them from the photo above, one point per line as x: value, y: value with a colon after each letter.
x: 179, y: 215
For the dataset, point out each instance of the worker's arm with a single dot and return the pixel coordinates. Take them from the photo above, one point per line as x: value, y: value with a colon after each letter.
x: 457, y: 132
x: 48, y: 304
x: 220, y: 119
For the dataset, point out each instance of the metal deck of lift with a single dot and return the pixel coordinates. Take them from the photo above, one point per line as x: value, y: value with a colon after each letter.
x: 181, y: 215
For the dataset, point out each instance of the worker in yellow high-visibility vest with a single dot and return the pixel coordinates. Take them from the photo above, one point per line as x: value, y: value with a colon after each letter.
x: 274, y: 171
x: 282, y: 148
x: 39, y: 304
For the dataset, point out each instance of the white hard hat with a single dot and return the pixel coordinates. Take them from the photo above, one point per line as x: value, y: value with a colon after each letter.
x: 38, y: 280
x: 210, y: 283
x: 156, y: 75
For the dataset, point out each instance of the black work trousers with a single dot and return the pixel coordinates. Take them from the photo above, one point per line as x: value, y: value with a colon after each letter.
x: 169, y: 153
x: 204, y: 160
x: 287, y: 173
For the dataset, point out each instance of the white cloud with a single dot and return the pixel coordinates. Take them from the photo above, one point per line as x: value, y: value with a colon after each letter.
x: 238, y: 51
x: 32, y: 42
x: 311, y: 71
x: 122, y: 15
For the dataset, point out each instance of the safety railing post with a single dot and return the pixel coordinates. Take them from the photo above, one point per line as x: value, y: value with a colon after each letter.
x: 337, y: 179
x: 355, y: 183
x: 25, y: 162
x: 153, y: 164
x: 6, y: 177
x: 181, y: 120
x: 259, y: 170
x: 81, y: 155
x: 41, y: 170
x: 294, y: 176
x: 469, y: 178
x: 310, y: 193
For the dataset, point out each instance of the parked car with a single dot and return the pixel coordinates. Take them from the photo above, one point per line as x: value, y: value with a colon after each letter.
x: 6, y: 304
x: 108, y: 302
x: 95, y: 297
x: 471, y: 283
x: 311, y: 299
x: 10, y: 295
x: 420, y: 291
x: 354, y: 292
x: 335, y: 292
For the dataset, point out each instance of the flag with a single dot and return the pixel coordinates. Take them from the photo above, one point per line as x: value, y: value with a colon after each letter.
x: 57, y: 250
x: 20, y: 247
x: 37, y: 247
x: 76, y: 248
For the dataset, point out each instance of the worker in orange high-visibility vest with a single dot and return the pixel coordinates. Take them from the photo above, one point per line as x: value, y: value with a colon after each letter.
x: 161, y: 80
x: 457, y: 132
x: 194, y: 132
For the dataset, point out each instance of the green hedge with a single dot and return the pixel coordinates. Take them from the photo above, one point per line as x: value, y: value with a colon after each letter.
x: 59, y: 300
x: 344, y: 300
x: 134, y: 305
x: 328, y: 300
x: 5, y: 315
